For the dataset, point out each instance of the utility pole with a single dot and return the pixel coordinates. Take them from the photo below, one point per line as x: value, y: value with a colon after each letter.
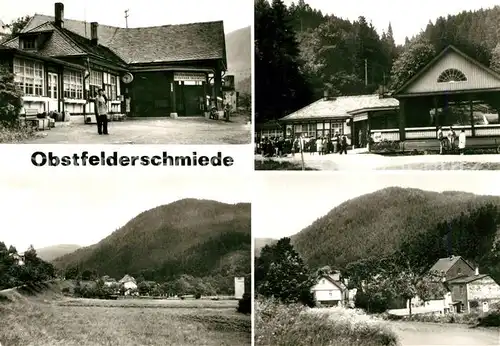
x: 126, y: 18
x: 366, y: 72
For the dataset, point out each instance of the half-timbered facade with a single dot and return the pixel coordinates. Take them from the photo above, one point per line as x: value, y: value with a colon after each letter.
x: 171, y: 70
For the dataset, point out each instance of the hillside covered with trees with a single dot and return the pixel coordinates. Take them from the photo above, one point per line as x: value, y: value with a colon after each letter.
x: 397, y: 222
x: 320, y: 52
x: 186, y: 239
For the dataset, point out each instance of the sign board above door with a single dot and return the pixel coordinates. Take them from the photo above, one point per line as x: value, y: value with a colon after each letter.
x: 189, y: 76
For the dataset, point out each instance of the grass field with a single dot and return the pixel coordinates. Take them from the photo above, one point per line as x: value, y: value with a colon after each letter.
x: 51, y: 319
x: 281, y: 325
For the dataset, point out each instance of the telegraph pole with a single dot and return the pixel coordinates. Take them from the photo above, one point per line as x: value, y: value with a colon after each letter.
x: 126, y: 18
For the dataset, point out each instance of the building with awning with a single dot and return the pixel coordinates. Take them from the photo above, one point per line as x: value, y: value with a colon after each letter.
x: 169, y: 70
x: 452, y: 90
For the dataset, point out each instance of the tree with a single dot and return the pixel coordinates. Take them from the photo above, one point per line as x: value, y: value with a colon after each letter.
x: 143, y: 288
x: 396, y: 277
x: 407, y: 282
x: 495, y: 59
x: 283, y: 274
x: 413, y: 59
x: 183, y: 285
x: 71, y: 273
x: 17, y: 25
x: 88, y: 274
x: 279, y: 86
x: 10, y: 98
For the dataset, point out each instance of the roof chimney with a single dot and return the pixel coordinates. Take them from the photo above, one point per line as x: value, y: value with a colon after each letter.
x: 59, y: 14
x: 325, y: 95
x: 477, y: 271
x: 93, y: 32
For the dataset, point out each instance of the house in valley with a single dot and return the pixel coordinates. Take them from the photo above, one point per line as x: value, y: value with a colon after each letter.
x: 169, y: 70
x: 128, y: 283
x: 451, y: 267
x: 329, y: 290
x: 473, y: 292
x: 465, y: 289
x: 109, y: 281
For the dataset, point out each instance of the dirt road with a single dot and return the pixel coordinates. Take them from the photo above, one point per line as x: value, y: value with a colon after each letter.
x: 433, y: 334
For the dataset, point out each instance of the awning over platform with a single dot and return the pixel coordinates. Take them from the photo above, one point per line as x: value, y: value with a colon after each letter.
x: 341, y: 107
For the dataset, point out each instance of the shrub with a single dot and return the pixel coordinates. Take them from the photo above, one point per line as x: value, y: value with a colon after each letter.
x: 10, y: 98
x: 197, y: 295
x: 245, y: 304
x: 277, y: 324
x: 492, y: 319
x: 385, y: 146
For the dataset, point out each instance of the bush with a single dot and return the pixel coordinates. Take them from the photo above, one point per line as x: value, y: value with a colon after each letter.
x: 15, y: 133
x: 385, y: 146
x: 245, y: 304
x: 490, y: 320
x: 277, y: 324
x: 11, y: 100
x: 197, y: 295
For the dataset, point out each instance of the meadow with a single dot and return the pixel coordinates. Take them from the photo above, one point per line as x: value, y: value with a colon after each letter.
x: 49, y: 318
x: 282, y: 325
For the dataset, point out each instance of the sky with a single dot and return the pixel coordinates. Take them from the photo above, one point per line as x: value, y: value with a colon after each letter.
x: 236, y: 14
x: 286, y: 203
x: 51, y: 207
x: 407, y: 18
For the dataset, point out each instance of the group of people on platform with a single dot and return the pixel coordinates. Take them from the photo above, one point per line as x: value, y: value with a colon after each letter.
x: 280, y: 146
x: 448, y: 142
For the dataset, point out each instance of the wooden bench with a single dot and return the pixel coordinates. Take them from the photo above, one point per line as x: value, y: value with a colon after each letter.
x: 30, y: 118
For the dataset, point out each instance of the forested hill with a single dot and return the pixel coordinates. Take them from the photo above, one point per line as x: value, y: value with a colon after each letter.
x: 190, y: 236
x: 321, y: 51
x: 424, y: 225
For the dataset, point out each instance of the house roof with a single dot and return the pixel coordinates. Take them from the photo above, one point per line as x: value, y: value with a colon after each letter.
x: 97, y: 50
x: 64, y: 42
x: 5, y: 48
x: 342, y: 107
x: 127, y: 278
x: 438, y: 57
x: 444, y: 264
x: 330, y: 278
x: 466, y: 279
x: 272, y: 124
x: 168, y: 43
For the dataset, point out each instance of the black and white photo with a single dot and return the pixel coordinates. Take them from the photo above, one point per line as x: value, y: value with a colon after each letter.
x: 112, y: 259
x: 377, y: 259
x: 171, y: 72
x: 414, y: 86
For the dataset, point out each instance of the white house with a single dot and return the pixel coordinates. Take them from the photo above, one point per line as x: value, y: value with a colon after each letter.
x: 129, y: 283
x: 440, y: 305
x: 329, y: 290
x: 108, y: 281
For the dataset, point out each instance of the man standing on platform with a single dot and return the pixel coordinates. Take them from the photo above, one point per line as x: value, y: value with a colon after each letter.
x: 101, y: 112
